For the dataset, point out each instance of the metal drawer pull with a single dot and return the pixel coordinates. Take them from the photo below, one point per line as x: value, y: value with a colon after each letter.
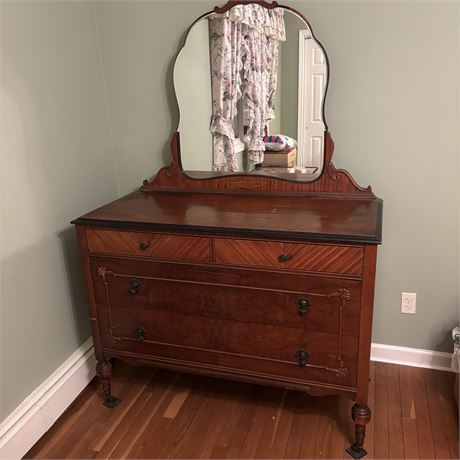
x: 135, y: 286
x: 301, y: 356
x: 143, y: 245
x: 303, y: 305
x: 284, y: 257
x: 140, y: 334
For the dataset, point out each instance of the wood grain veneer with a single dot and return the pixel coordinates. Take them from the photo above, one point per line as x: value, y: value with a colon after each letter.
x: 285, y: 216
x: 224, y: 343
x: 270, y: 301
x: 160, y: 246
x: 281, y: 255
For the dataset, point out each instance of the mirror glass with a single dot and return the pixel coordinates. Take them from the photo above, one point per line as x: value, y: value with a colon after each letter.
x: 250, y: 85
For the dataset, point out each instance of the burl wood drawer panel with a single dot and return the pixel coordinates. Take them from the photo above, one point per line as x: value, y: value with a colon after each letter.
x: 318, y: 304
x: 161, y: 246
x: 292, y: 256
x: 270, y: 350
x: 234, y: 276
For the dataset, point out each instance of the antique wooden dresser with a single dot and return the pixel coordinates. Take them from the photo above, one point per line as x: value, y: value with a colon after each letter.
x: 245, y: 277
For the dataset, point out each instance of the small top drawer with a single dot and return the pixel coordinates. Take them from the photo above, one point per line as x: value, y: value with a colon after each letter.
x: 290, y: 256
x: 161, y: 246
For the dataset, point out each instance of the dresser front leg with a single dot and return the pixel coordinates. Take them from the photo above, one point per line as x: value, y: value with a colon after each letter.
x: 361, y: 415
x: 104, y: 372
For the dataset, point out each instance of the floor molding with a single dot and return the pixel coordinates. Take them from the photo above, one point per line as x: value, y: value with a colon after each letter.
x: 414, y: 357
x: 37, y: 413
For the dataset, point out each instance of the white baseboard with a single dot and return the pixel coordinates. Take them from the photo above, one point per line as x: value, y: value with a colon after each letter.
x: 414, y: 357
x: 37, y: 413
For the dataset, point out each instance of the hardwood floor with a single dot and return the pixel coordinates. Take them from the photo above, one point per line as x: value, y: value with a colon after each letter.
x: 168, y: 415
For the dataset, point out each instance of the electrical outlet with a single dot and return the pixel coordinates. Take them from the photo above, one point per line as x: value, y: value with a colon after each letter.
x: 408, y: 302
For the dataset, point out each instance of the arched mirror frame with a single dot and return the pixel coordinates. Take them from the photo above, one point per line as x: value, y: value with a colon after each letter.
x: 184, y: 99
x: 330, y: 179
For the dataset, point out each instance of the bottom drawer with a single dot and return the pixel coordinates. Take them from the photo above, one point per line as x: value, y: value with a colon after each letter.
x: 269, y: 350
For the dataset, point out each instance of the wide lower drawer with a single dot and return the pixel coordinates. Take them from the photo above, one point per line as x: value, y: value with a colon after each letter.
x: 292, y: 256
x: 306, y: 302
x: 269, y: 350
x: 160, y: 246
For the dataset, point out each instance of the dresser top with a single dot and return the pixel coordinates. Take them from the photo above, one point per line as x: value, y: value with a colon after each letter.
x: 337, y: 219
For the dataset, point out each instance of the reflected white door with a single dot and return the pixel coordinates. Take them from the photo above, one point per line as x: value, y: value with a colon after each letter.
x: 312, y: 85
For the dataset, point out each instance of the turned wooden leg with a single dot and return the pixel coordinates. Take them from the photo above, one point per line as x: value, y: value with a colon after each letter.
x: 104, y: 372
x: 361, y: 415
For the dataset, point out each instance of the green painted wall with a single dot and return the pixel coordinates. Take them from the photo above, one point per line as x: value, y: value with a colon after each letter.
x: 392, y: 108
x: 394, y: 112
x: 57, y: 163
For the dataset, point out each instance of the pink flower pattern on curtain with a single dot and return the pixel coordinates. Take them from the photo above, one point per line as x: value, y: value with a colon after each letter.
x: 244, y: 64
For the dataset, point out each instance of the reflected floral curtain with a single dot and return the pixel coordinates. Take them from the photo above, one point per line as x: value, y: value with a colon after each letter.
x: 244, y: 64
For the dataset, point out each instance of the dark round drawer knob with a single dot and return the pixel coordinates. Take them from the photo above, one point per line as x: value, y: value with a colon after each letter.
x: 303, y: 305
x: 143, y: 245
x: 140, y: 334
x: 134, y: 287
x: 302, y: 356
x: 284, y: 257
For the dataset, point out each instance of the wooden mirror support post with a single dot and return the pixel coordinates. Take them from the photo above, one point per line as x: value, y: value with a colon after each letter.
x: 243, y: 277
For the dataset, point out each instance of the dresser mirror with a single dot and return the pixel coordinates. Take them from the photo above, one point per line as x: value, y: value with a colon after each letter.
x: 250, y: 83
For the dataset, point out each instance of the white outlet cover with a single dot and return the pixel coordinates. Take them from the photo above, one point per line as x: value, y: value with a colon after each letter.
x: 409, y: 302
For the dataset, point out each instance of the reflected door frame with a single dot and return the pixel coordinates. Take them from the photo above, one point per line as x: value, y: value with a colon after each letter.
x: 312, y: 83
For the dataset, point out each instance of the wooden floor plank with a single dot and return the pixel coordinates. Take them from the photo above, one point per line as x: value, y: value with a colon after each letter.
x: 311, y: 424
x: 159, y: 394
x: 167, y: 441
x: 283, y: 430
x: 395, y: 430
x: 330, y: 440
x: 437, y: 418
x: 381, y: 420
x: 164, y: 414
x: 176, y: 404
x: 297, y: 427
x: 270, y: 426
x: 422, y: 415
x: 113, y: 419
x: 238, y: 393
x: 245, y: 421
x: 110, y: 438
x: 445, y: 385
x: 268, y: 400
x: 410, y: 438
x: 405, y: 387
x: 370, y: 428
x: 348, y: 428
x: 198, y: 442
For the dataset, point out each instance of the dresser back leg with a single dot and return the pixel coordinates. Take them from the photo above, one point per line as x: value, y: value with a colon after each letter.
x: 361, y: 415
x: 104, y: 372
